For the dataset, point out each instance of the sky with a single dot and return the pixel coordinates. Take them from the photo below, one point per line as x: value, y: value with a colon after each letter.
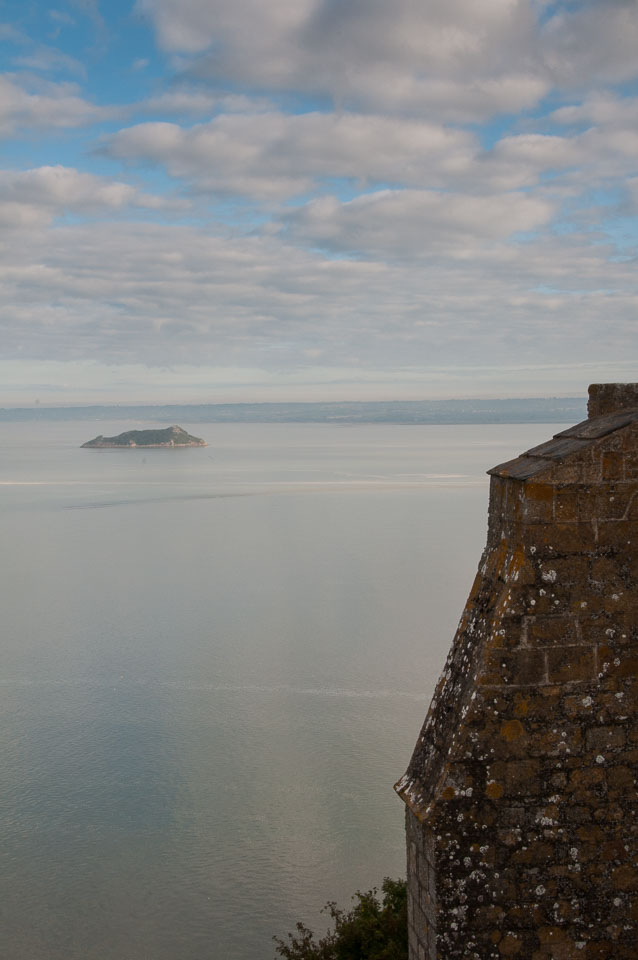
x: 247, y: 200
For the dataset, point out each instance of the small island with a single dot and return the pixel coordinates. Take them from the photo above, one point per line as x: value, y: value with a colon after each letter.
x: 168, y: 437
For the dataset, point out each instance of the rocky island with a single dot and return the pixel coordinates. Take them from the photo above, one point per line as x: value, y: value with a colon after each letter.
x: 168, y: 437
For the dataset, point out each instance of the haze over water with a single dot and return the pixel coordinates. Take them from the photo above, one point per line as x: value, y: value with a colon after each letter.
x: 214, y: 665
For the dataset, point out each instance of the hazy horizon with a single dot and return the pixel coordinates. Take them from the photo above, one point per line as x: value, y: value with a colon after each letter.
x: 454, y: 410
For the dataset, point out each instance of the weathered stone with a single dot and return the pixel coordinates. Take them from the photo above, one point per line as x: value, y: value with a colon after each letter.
x: 546, y: 631
x: 571, y: 664
x: 521, y: 793
x: 607, y: 398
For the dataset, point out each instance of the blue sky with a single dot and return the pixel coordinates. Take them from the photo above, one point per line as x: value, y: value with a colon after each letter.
x: 316, y: 199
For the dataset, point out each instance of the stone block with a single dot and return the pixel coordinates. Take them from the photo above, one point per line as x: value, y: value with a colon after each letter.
x: 592, y: 468
x: 538, y: 503
x: 548, y: 631
x: 631, y: 465
x: 571, y: 664
x: 551, y: 540
x: 618, y: 537
x: 566, y: 570
x: 540, y: 703
x: 625, y: 878
x: 602, y: 629
x: 616, y: 663
x: 520, y: 667
x: 613, y: 465
x: 603, y: 570
x: 607, y: 738
x: 563, y: 740
x: 567, y: 504
x: 585, y: 787
x: 517, y: 778
x: 612, y: 502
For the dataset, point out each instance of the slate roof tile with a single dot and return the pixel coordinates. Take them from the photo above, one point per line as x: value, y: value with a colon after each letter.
x: 558, y: 448
x: 601, y: 426
x: 521, y: 468
x: 565, y: 444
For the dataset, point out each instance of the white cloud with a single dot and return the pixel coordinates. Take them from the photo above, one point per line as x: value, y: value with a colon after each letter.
x: 182, y: 100
x: 270, y: 156
x: 632, y: 190
x: 152, y: 294
x: 592, y: 42
x: 24, y: 104
x: 275, y: 155
x: 412, y: 224
x: 460, y: 59
x: 463, y: 57
x: 601, y: 109
x: 50, y: 59
x: 30, y: 198
x: 192, y: 26
x: 91, y: 10
x: 10, y: 34
x: 583, y: 159
x: 62, y: 17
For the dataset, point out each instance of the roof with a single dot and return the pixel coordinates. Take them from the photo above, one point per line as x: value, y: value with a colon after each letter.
x: 565, y: 444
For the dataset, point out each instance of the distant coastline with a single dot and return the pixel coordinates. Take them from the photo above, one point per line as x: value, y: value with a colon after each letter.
x: 526, y: 410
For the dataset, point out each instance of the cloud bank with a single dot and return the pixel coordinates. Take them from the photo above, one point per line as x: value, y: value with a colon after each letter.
x: 300, y: 187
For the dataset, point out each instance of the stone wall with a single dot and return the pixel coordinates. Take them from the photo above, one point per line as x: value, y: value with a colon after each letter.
x: 521, y: 793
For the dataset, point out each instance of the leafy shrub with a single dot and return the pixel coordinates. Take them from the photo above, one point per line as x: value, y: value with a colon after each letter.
x: 372, y: 930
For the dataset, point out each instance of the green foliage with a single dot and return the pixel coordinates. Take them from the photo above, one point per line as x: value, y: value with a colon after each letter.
x: 372, y: 930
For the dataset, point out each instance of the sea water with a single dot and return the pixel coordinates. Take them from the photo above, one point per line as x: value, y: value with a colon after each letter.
x: 214, y: 663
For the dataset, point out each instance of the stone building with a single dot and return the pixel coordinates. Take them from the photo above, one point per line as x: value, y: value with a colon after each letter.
x: 521, y: 792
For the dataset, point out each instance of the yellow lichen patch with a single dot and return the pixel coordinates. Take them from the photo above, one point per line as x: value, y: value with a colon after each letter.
x: 494, y: 790
x: 521, y: 707
x: 476, y: 586
x: 509, y: 946
x: 515, y: 562
x: 512, y: 730
x: 448, y: 794
x: 497, y: 559
x: 542, y: 492
x: 552, y: 936
x: 625, y: 878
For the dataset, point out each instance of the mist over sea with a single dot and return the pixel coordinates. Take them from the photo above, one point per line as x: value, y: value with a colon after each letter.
x: 214, y: 664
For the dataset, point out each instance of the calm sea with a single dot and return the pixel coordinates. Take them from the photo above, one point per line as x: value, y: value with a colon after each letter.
x: 214, y: 664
